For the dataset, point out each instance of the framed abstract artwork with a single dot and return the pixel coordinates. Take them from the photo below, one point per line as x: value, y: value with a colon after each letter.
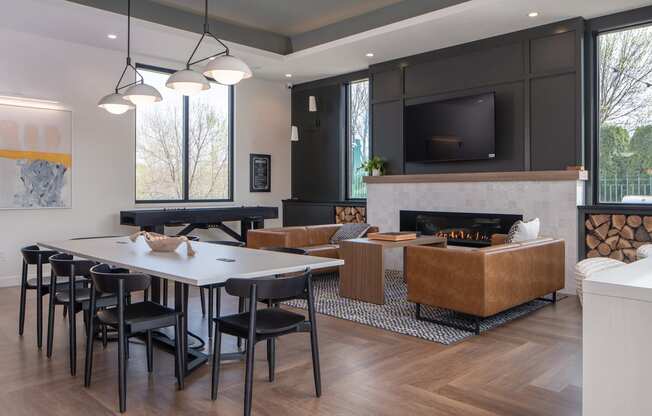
x: 35, y: 157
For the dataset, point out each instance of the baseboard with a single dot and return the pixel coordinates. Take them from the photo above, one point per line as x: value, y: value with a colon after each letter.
x: 9, y: 281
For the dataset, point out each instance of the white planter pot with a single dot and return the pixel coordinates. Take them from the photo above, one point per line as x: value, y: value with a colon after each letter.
x: 375, y: 172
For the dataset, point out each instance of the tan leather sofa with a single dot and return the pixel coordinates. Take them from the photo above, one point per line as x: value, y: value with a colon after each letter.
x: 482, y: 282
x: 315, y: 239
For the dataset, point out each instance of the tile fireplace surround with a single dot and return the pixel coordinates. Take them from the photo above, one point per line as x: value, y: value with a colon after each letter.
x: 552, y: 196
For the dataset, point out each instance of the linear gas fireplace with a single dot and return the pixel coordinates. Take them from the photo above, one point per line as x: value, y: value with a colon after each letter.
x: 461, y: 228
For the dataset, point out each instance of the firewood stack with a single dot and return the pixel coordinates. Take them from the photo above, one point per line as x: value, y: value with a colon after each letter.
x: 348, y: 215
x: 617, y: 236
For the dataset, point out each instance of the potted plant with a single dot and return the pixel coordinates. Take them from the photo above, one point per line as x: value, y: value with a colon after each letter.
x: 374, y: 166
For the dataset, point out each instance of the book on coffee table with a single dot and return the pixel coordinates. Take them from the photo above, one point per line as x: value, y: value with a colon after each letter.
x: 393, y: 236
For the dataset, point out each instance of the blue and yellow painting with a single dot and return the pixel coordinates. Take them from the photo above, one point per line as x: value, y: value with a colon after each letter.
x: 35, y: 157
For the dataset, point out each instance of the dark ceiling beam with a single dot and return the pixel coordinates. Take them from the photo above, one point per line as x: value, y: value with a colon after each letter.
x: 377, y: 18
x: 168, y: 16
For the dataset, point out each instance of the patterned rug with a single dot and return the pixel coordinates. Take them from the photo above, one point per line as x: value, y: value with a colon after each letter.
x: 397, y: 315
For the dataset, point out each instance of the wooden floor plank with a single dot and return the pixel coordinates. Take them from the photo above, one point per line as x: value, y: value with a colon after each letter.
x: 531, y: 366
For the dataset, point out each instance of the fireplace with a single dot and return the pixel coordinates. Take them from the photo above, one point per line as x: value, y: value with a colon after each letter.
x: 461, y: 228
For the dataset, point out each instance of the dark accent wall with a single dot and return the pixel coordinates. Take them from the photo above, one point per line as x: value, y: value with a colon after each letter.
x: 536, y: 76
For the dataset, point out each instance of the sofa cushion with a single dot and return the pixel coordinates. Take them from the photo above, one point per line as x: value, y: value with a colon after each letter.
x: 523, y: 231
x: 349, y: 231
x: 323, y: 250
x: 320, y: 234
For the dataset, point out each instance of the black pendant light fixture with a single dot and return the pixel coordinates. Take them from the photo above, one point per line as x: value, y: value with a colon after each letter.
x: 137, y: 92
x: 222, y: 67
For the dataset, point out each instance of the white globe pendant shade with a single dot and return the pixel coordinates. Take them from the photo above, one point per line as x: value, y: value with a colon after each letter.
x: 115, y: 104
x: 227, y: 70
x: 140, y: 94
x: 188, y: 82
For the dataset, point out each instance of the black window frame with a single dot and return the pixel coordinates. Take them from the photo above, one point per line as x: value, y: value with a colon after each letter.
x: 594, y: 28
x: 186, y: 147
x: 347, y: 131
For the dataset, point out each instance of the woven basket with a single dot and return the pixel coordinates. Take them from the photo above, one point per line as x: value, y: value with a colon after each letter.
x: 163, y: 243
x: 585, y: 268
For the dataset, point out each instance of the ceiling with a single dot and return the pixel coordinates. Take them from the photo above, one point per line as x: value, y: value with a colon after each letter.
x: 456, y: 24
x: 285, y: 17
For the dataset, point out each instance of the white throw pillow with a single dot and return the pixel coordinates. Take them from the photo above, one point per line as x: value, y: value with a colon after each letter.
x: 644, y: 251
x: 523, y: 231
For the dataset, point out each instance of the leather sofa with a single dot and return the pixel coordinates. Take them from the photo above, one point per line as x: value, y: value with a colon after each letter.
x: 481, y: 282
x: 315, y: 239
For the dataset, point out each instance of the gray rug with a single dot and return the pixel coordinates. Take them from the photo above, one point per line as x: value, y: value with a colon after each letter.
x: 397, y: 315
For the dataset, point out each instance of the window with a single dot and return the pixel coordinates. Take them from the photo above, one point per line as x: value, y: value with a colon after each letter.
x: 357, y: 138
x: 184, y: 144
x: 624, y: 116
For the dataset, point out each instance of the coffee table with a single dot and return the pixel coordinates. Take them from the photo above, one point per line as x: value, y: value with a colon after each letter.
x: 363, y: 275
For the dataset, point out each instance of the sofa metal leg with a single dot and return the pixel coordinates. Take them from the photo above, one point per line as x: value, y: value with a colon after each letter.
x: 418, y: 312
x: 476, y: 325
x: 473, y: 327
x: 554, y: 297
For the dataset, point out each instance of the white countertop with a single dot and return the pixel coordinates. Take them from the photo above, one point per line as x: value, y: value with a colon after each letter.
x: 631, y: 281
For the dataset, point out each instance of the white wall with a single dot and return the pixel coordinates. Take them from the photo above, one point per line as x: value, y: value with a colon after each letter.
x: 77, y: 76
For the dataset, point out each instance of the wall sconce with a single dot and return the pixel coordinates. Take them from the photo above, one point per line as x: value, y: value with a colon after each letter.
x: 312, y: 104
x: 294, y: 134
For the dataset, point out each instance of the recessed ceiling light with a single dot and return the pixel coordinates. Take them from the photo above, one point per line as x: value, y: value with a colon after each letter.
x: 369, y: 55
x: 112, y: 36
x: 212, y: 58
x: 288, y: 75
x: 533, y: 14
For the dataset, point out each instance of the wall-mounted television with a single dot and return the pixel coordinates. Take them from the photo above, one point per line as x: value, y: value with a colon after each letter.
x: 451, y: 130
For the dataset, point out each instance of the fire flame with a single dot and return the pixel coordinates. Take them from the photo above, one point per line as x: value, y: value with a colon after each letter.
x: 463, y: 235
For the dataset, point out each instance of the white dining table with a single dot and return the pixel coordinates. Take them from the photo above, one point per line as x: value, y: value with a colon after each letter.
x: 212, y: 264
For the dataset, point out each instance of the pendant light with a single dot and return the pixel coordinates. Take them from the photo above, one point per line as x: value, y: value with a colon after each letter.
x: 136, y: 93
x: 222, y: 67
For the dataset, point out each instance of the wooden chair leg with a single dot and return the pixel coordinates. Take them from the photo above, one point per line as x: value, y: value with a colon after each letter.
x: 23, y: 299
x: 241, y: 307
x: 215, y: 371
x: 90, y: 339
x: 39, y: 303
x: 51, y: 313
x: 203, y: 301
x: 249, y: 376
x: 179, y: 352
x: 72, y: 341
x: 150, y: 350
x: 210, y: 311
x: 105, y: 336
x: 314, y: 346
x: 271, y: 358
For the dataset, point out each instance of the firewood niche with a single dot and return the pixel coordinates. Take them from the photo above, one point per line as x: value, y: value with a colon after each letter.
x: 617, y: 236
x: 347, y: 215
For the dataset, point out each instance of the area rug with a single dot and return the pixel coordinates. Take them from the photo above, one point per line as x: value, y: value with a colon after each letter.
x: 397, y: 315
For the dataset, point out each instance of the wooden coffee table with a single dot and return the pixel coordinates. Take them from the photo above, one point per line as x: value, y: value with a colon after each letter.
x: 363, y: 275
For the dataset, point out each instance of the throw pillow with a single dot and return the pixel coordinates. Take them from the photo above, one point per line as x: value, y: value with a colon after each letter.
x: 349, y: 231
x: 644, y: 251
x: 523, y: 231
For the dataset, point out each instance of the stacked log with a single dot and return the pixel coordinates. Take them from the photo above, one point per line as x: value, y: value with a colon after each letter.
x: 348, y: 215
x: 616, y: 236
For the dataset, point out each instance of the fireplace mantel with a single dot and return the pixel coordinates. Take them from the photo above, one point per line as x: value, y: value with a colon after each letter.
x: 542, y: 175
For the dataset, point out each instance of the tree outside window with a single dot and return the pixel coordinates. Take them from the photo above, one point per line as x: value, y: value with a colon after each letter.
x: 178, y: 164
x: 358, y: 137
x: 625, y: 115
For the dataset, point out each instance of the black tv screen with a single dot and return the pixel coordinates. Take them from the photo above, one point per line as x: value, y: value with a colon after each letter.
x: 451, y: 130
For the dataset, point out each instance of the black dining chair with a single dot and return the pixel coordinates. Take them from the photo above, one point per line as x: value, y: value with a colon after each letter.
x: 129, y: 319
x: 34, y: 256
x: 266, y: 324
x: 75, y: 296
x: 214, y: 290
